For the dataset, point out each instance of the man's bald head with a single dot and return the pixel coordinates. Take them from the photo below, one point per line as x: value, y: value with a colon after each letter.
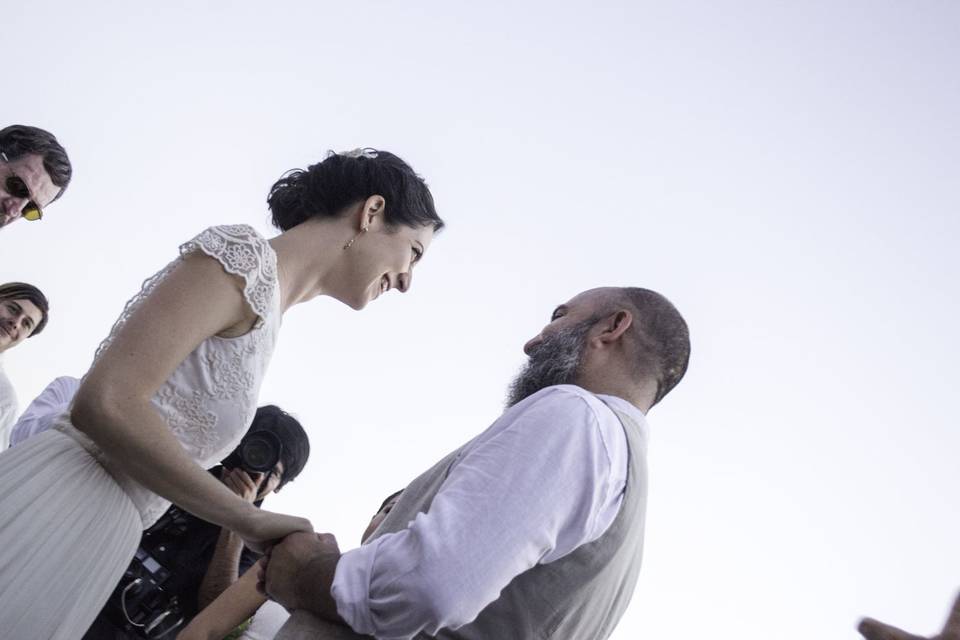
x: 661, y: 338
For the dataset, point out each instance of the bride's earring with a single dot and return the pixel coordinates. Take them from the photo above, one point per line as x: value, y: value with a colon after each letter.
x: 354, y: 238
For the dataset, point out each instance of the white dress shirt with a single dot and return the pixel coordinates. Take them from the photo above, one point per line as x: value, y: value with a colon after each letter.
x: 39, y: 414
x: 8, y: 407
x: 547, y: 477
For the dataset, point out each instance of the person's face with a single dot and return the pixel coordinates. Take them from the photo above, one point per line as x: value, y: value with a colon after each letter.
x: 381, y: 259
x: 378, y: 517
x: 556, y: 353
x: 264, y: 483
x: 580, y: 308
x: 18, y: 319
x: 40, y: 187
x: 268, y: 482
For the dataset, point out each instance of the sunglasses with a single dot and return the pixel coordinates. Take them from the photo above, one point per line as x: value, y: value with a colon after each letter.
x: 18, y: 189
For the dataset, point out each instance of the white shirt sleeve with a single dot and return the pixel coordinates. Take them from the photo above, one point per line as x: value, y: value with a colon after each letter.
x: 39, y: 414
x: 530, y: 490
x: 8, y: 408
x: 8, y: 413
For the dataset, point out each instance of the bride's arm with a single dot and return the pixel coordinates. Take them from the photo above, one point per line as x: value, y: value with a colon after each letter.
x: 228, y: 611
x: 196, y: 300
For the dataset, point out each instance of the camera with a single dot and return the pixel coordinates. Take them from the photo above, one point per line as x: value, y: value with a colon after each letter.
x: 259, y: 452
x: 143, y: 604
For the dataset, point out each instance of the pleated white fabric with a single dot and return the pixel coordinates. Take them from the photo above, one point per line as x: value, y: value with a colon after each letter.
x: 67, y: 532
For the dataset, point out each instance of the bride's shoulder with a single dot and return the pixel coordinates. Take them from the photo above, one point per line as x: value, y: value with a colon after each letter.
x: 224, y: 236
x: 241, y: 251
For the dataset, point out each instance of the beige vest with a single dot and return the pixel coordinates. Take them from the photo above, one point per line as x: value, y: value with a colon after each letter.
x: 581, y: 596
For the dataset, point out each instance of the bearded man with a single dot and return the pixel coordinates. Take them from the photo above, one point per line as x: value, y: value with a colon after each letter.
x: 533, y: 529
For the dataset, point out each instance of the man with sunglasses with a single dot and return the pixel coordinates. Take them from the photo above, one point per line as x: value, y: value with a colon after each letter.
x: 34, y: 171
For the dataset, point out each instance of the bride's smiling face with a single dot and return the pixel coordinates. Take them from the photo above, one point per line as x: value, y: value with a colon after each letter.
x: 381, y: 259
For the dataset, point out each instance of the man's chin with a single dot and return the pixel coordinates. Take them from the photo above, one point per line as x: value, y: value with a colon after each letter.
x: 524, y: 386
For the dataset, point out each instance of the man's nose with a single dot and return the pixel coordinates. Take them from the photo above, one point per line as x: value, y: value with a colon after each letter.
x: 13, y: 207
x: 531, y: 344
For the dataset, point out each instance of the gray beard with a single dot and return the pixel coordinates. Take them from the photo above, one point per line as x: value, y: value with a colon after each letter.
x: 556, y: 360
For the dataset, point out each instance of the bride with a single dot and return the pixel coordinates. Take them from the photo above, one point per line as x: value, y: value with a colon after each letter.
x: 174, y: 385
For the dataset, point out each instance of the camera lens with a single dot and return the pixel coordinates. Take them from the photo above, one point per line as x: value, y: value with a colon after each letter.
x: 260, y: 452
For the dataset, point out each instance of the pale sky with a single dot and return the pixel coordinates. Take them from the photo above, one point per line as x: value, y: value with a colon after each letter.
x: 786, y: 173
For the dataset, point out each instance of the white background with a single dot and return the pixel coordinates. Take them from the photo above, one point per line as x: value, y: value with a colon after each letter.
x: 787, y: 173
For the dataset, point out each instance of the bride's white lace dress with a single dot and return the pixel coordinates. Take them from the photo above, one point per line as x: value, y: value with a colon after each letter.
x: 70, y: 521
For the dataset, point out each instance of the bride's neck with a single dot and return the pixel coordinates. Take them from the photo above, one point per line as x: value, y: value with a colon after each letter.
x: 306, y: 256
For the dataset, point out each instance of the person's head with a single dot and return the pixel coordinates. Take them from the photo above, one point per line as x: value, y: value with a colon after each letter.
x: 34, y: 171
x: 294, y: 446
x: 23, y: 313
x: 627, y: 339
x: 381, y: 513
x: 383, y: 208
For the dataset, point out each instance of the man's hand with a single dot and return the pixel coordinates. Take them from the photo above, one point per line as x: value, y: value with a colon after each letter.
x: 241, y: 483
x: 874, y: 630
x: 299, y: 573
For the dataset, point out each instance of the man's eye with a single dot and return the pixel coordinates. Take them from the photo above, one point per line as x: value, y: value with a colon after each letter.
x: 17, y: 187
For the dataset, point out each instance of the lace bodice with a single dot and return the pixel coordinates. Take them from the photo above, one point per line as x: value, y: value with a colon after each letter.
x: 210, y: 399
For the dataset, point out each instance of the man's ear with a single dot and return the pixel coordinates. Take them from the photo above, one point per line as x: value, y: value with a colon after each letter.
x: 614, y: 326
x: 371, y: 215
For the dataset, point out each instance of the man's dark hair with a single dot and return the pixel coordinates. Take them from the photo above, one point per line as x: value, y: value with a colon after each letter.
x: 325, y: 189
x: 24, y: 291
x: 296, y: 444
x: 662, y: 336
x: 19, y: 140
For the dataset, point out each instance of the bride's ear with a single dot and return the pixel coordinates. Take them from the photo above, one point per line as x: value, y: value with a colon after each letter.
x: 372, y: 212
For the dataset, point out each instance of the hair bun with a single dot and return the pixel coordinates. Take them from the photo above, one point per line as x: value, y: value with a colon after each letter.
x: 286, y: 199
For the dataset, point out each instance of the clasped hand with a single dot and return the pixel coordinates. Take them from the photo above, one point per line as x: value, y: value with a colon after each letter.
x: 299, y: 572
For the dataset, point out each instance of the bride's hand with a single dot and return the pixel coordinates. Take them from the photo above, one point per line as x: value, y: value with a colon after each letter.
x: 265, y: 528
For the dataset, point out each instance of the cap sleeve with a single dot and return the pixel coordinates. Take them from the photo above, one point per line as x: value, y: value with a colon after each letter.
x: 241, y: 251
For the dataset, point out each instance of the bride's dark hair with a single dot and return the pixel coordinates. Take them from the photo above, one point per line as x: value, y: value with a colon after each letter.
x: 325, y: 189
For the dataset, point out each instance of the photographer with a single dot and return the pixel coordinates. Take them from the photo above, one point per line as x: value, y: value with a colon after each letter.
x: 183, y: 562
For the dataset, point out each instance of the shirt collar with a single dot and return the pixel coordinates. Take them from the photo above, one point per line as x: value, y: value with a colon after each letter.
x: 626, y: 407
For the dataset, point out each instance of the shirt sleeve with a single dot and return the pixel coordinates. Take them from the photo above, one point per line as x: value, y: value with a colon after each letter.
x: 8, y: 413
x: 529, y: 494
x: 39, y: 414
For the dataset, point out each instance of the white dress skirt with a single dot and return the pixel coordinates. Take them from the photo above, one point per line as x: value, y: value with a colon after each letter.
x: 75, y: 531
x: 70, y: 520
